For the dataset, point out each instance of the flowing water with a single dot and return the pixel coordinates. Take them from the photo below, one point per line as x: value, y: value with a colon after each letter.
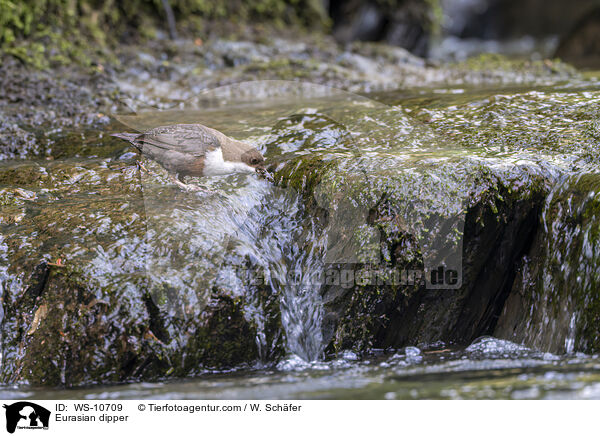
x: 488, y: 369
x: 254, y: 229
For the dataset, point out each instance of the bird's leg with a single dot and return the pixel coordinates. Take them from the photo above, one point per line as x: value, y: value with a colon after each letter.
x: 186, y: 186
x: 179, y: 182
x: 141, y: 166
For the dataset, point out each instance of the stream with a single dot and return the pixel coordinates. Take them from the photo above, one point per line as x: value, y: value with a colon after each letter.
x: 405, y: 178
x: 488, y: 369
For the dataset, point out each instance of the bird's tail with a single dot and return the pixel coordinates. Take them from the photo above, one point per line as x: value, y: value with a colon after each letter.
x: 131, y: 137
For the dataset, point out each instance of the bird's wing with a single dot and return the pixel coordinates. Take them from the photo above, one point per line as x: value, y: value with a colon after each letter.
x: 193, y: 139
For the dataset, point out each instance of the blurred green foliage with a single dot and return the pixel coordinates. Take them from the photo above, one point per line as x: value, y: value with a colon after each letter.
x: 41, y: 31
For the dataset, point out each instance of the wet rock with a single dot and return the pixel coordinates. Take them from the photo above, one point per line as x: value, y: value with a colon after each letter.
x: 357, y: 67
x: 166, y: 74
x: 554, y: 304
x: 389, y: 210
x: 65, y: 99
x: 552, y: 300
x: 99, y: 285
x: 380, y: 249
x: 83, y: 339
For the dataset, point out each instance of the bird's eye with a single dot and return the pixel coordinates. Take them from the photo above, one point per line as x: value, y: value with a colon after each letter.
x: 254, y: 161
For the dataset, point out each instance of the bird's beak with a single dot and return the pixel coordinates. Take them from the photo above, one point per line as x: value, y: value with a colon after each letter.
x: 261, y: 171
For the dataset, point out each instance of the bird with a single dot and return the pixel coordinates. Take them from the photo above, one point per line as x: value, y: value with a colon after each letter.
x: 196, y: 150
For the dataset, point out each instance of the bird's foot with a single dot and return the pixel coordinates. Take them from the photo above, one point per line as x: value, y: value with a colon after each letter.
x: 188, y: 187
x: 196, y: 188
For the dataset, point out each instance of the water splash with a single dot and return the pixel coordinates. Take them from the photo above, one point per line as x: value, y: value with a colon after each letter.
x: 292, y: 257
x: 570, y: 339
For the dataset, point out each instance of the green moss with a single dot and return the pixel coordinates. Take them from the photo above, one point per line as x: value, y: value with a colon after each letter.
x: 304, y: 175
x: 588, y: 298
x: 39, y: 32
x: 89, y: 336
x: 436, y: 16
x: 494, y: 61
x: 7, y: 199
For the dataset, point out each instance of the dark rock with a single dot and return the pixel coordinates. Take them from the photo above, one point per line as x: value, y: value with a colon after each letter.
x: 554, y: 303
x: 581, y: 45
x: 407, y: 23
x: 499, y: 19
x: 499, y: 227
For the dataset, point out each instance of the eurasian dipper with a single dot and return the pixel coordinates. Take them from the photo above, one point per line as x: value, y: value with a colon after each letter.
x: 196, y: 150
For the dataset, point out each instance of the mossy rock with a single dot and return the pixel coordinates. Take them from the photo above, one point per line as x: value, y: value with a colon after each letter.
x: 59, y: 32
x: 376, y: 226
x: 108, y: 287
x: 69, y: 337
x: 554, y: 303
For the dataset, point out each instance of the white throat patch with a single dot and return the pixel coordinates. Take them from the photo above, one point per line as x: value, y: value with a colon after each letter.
x: 214, y: 165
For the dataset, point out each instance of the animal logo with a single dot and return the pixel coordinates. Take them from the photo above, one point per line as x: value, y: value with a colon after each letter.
x: 26, y: 415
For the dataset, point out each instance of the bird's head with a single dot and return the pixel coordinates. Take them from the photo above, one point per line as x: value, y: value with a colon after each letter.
x: 255, y: 159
